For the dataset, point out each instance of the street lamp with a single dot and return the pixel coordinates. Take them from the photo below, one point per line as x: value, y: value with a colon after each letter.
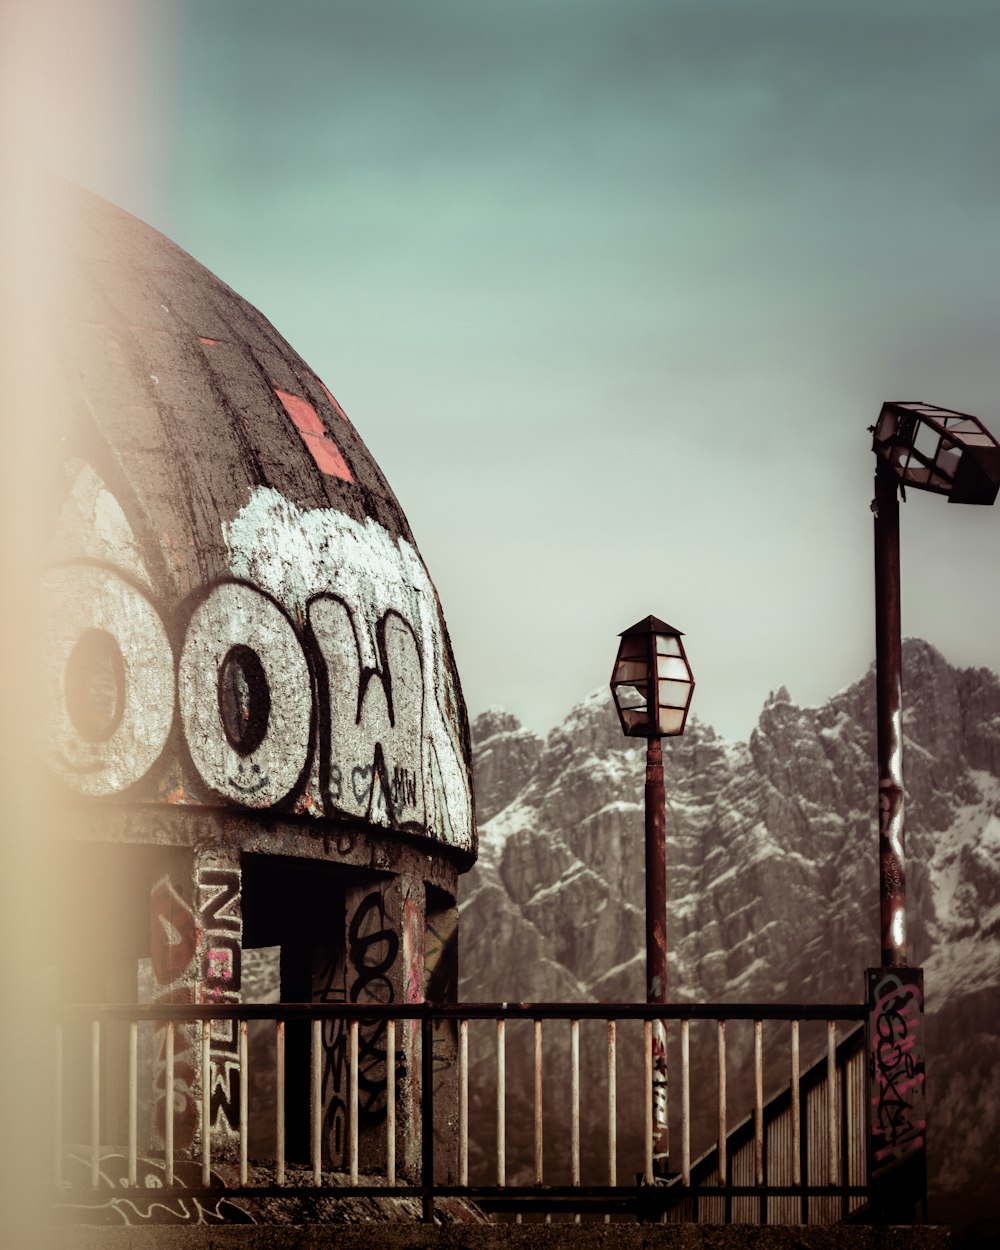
x: 952, y: 454
x: 652, y: 685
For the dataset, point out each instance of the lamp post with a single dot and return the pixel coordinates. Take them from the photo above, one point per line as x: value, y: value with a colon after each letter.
x: 652, y: 685
x: 952, y: 454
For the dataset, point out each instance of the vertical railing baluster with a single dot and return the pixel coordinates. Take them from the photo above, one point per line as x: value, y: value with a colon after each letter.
x: 279, y: 1080
x: 57, y: 1093
x: 796, y: 1108
x: 354, y: 1109
x: 133, y: 1103
x: 501, y: 1102
x: 463, y: 1102
x: 685, y: 1103
x: 316, y: 1099
x: 244, y: 1034
x: 647, y: 1094
x: 758, y: 1102
x: 206, y: 1103
x: 574, y: 1100
x: 612, y: 1109
x: 844, y: 1176
x: 95, y: 1104
x: 723, y: 1129
x: 168, y: 1106
x: 427, y: 1113
x: 817, y: 1149
x: 538, y: 1103
x: 831, y: 1102
x: 390, y: 1102
x: 808, y: 1164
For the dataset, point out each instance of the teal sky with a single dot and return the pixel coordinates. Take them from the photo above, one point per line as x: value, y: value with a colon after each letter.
x: 611, y: 290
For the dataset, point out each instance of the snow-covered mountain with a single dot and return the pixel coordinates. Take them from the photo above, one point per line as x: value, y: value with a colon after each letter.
x: 772, y: 872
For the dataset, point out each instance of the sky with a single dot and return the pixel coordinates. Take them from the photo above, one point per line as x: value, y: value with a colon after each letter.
x: 612, y: 291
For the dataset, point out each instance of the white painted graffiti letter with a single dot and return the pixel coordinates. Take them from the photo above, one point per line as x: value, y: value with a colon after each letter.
x: 371, y: 717
x: 245, y: 696
x: 108, y: 679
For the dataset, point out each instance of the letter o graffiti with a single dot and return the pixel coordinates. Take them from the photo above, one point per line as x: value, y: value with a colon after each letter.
x: 108, y: 682
x: 245, y: 696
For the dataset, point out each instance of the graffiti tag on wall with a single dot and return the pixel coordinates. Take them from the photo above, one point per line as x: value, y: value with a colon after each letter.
x: 173, y: 947
x: 218, y: 890
x: 312, y: 678
x: 372, y: 952
x: 196, y: 959
x: 145, y: 1204
x: 897, y: 1114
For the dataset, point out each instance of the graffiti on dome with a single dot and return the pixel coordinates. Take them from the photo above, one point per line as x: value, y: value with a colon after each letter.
x: 311, y: 677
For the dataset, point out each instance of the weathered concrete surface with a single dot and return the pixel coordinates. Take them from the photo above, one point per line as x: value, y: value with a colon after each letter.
x: 238, y: 617
x: 405, y: 1236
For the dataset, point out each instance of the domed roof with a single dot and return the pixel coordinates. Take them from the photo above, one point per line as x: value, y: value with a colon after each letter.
x: 239, y: 613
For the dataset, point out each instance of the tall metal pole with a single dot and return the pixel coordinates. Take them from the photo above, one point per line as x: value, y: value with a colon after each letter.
x: 656, y: 943
x: 889, y: 714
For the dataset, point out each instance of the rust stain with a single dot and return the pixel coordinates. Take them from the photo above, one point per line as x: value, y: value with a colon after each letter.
x: 173, y: 788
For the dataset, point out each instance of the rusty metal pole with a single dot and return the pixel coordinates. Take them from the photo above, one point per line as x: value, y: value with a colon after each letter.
x: 656, y: 944
x: 889, y: 714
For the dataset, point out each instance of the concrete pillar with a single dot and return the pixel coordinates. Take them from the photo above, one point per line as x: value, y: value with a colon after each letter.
x: 382, y: 961
x: 195, y: 948
x: 218, y: 893
x: 441, y: 986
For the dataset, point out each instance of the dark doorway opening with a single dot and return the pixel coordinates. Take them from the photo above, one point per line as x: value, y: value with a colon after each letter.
x: 296, y: 908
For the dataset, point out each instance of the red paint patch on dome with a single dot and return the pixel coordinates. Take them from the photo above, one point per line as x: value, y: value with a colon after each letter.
x: 319, y: 444
x: 304, y: 416
x: 327, y: 456
x: 209, y: 342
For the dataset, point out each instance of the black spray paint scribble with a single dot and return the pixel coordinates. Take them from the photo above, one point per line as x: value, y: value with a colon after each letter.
x: 896, y: 1070
x: 372, y: 950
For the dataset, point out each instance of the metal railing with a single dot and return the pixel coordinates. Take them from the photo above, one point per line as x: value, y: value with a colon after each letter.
x: 798, y: 1157
x: 809, y: 1136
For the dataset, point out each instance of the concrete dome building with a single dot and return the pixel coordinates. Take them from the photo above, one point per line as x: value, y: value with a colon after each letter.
x: 252, y: 711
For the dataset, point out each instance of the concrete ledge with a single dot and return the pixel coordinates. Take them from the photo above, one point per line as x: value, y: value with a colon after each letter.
x: 403, y: 1236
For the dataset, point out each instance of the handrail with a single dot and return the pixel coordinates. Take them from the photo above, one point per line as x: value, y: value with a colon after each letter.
x: 464, y: 1011
x: 790, y: 1100
x: 646, y: 1197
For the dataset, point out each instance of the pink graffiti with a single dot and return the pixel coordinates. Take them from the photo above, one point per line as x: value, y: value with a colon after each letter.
x: 174, y: 941
x: 220, y: 964
x: 897, y: 1121
x: 413, y: 926
x: 174, y: 933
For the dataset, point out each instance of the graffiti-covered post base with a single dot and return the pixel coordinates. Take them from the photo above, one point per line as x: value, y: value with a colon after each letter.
x: 897, y: 1114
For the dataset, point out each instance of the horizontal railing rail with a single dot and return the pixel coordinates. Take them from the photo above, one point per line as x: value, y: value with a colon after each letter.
x: 839, y: 1012
x: 442, y: 1168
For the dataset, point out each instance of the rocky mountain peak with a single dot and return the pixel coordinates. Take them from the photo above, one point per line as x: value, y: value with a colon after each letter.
x: 506, y: 754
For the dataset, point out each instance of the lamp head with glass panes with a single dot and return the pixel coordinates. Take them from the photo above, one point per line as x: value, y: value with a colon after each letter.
x: 652, y: 681
x: 936, y: 449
